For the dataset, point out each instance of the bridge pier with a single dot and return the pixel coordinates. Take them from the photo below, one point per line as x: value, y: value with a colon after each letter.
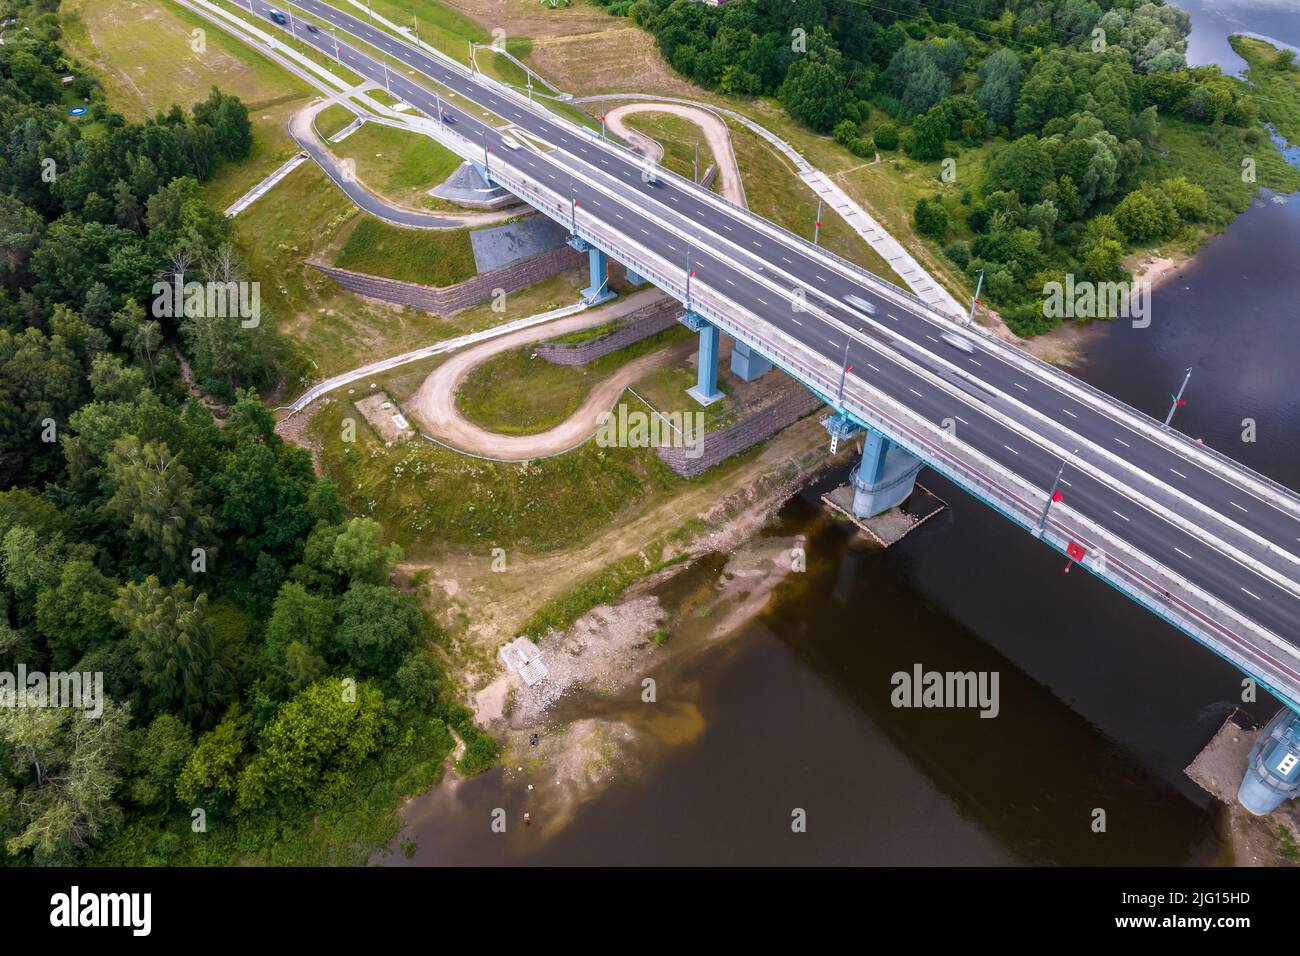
x: 598, y: 287
x: 1273, y: 771
x: 746, y: 364
x: 884, y: 478
x: 705, y: 390
x: 634, y: 278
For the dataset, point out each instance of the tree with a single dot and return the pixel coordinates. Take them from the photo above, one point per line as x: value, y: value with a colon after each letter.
x: 377, y: 626
x: 75, y: 615
x: 358, y: 554
x: 156, y: 756
x: 1139, y: 217
x: 930, y: 217
x: 928, y: 138
x: 1102, y: 260
x: 1189, y: 199
x: 173, y: 646
x: 997, y: 85
x: 1023, y: 166
x: 815, y: 94
x: 1049, y: 92
x: 69, y: 768
x: 885, y: 136
x: 155, y: 497
x: 314, y: 745
x: 211, y: 774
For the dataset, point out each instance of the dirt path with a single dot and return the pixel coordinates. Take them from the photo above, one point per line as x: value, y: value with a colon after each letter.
x: 715, y: 134
x: 435, y: 403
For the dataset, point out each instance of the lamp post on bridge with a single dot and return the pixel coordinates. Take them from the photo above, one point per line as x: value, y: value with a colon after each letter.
x: 845, y: 368
x: 573, y: 208
x: 1178, y: 399
x: 602, y: 117
x: 487, y: 161
x: 817, y: 226
x: 690, y: 271
x: 976, y: 299
x: 1054, y: 494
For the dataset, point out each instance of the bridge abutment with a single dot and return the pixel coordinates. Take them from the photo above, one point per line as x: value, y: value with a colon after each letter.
x: 746, y: 364
x: 884, y: 478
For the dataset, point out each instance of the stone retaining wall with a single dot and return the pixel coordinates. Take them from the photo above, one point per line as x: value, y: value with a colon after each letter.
x: 636, y: 326
x: 444, y: 301
x: 722, y: 444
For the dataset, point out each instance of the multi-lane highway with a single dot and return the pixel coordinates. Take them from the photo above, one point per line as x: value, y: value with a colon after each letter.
x: 1218, y: 526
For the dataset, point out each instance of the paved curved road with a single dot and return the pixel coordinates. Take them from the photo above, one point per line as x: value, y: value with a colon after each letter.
x: 715, y: 134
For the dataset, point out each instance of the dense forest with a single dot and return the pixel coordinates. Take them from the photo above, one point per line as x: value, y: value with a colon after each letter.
x: 256, y: 660
x: 1069, y: 94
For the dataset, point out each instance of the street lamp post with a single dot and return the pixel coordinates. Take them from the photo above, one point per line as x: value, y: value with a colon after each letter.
x: 817, y: 226
x: 337, y: 56
x: 845, y: 368
x: 976, y: 299
x: 1054, y: 494
x: 1178, y: 399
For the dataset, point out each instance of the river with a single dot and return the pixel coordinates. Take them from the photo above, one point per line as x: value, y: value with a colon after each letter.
x: 1101, y: 704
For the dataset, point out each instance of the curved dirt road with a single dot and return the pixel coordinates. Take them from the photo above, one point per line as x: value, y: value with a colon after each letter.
x: 434, y: 405
x: 715, y: 134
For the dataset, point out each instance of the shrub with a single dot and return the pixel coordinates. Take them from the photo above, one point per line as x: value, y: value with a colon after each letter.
x: 886, y: 136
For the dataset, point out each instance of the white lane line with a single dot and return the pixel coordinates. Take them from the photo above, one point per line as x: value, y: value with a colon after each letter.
x: 797, y: 322
x: 820, y: 276
x: 1235, y: 505
x: 872, y: 367
x: 1010, y: 449
x: 728, y: 281
x: 784, y: 259
x: 1066, y: 483
x: 980, y: 364
x: 1183, y: 553
x: 892, y: 318
x: 1123, y: 442
x: 960, y: 419
x: 1070, y: 413
x: 618, y: 215
x: 1114, y: 512
x: 764, y: 301
x: 1177, y: 472
x: 674, y: 198
x: 726, y: 227
x: 932, y: 338
x: 916, y: 393
x: 1252, y: 594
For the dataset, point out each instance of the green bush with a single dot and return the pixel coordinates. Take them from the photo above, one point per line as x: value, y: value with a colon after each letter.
x: 886, y: 136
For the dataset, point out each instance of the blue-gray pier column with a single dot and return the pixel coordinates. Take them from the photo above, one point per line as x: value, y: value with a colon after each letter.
x: 746, y: 364
x: 884, y: 478
x: 1273, y: 770
x: 598, y: 286
x: 705, y: 390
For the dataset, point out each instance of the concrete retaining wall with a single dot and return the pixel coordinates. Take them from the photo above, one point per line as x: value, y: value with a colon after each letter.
x: 636, y: 326
x: 451, y: 299
x: 722, y: 444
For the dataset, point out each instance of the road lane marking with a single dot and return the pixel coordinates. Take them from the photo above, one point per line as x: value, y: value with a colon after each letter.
x: 1252, y: 594
x: 1177, y: 472
x: 1070, y: 413
x: 1123, y: 442
x: 1010, y: 449
x: 916, y: 393
x: 1114, y: 512
x: 1183, y: 553
x: 1235, y: 505
x: 1019, y: 386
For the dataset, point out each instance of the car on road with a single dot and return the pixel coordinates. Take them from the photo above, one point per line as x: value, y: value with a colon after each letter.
x: 957, y: 342
x: 861, y: 304
x: 312, y: 28
x: 278, y: 17
x: 510, y: 143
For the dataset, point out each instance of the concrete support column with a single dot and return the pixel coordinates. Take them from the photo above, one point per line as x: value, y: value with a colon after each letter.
x: 746, y: 364
x: 884, y: 478
x: 1273, y: 769
x: 706, y: 385
x: 634, y: 278
x: 598, y: 288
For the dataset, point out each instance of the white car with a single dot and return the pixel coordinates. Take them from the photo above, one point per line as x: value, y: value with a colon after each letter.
x: 957, y: 342
x: 510, y: 143
x: 861, y: 304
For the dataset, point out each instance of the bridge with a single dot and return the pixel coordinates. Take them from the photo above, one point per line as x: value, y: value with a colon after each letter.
x: 1193, y: 536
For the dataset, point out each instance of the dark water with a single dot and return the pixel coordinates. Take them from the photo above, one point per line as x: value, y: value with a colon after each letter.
x: 1102, y: 705
x: 1213, y: 21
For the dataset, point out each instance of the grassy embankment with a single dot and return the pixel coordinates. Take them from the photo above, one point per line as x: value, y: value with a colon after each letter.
x: 516, y: 394
x: 1274, y: 85
x: 332, y: 119
x: 399, y: 165
x: 678, y: 137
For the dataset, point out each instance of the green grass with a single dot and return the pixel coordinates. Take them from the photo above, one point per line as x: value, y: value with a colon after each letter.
x: 777, y: 194
x: 1276, y: 92
x: 678, y: 137
x: 492, y: 63
x: 398, y: 164
x: 440, y: 26
x: 586, y: 335
x: 432, y: 498
x: 516, y: 394
x: 427, y: 256
x: 332, y: 119
x: 285, y: 40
